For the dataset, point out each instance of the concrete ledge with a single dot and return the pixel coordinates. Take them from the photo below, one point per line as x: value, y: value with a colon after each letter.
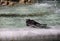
x: 29, y: 34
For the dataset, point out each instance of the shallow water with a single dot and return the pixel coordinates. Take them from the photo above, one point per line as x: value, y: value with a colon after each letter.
x: 46, y: 13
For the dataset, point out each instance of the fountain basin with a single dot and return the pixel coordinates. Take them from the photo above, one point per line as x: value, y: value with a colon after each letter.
x: 29, y: 34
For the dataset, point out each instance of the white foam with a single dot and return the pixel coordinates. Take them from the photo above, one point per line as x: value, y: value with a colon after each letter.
x: 42, y: 5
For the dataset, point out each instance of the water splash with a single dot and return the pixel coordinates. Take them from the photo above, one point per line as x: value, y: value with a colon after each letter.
x: 28, y: 9
x: 48, y: 11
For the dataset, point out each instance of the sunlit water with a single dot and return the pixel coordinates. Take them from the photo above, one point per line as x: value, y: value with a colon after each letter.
x: 41, y: 12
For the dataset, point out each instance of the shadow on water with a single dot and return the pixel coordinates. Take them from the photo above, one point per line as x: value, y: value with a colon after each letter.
x: 23, y: 15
